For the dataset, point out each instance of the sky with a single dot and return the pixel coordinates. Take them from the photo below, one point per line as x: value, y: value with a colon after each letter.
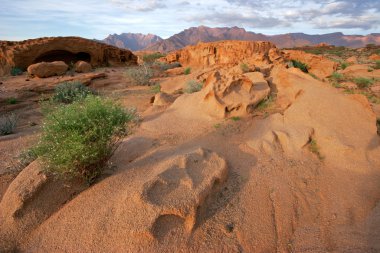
x: 24, y: 19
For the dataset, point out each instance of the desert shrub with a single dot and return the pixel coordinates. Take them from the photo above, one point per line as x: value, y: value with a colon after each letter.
x: 156, y: 88
x: 363, y: 82
x: 265, y: 103
x: 12, y: 101
x: 16, y: 71
x: 316, y: 51
x: 8, y: 123
x: 344, y: 65
x: 78, y: 139
x: 244, y: 67
x: 193, y: 86
x: 187, y: 71
x: 150, y: 58
x: 140, y: 74
x: 336, y: 78
x: 377, y: 65
x: 69, y: 92
x: 300, y: 65
x: 235, y: 118
x: 165, y: 66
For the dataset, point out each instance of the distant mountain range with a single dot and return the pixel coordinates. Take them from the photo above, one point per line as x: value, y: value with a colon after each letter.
x: 194, y: 35
x: 132, y: 41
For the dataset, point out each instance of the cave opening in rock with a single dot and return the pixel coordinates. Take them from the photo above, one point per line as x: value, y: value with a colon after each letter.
x: 63, y: 55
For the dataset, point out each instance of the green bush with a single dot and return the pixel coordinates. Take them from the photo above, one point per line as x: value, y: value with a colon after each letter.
x: 344, y: 65
x: 16, y: 71
x: 141, y: 75
x: 8, y: 123
x: 244, y: 67
x: 362, y: 82
x: 377, y: 65
x: 187, y: 71
x: 300, y: 65
x: 78, y: 139
x: 156, y: 88
x: 12, y: 101
x: 69, y: 92
x: 150, y: 58
x: 193, y: 86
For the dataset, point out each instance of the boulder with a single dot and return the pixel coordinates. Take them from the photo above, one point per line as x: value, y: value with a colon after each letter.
x: 48, y: 69
x: 82, y: 67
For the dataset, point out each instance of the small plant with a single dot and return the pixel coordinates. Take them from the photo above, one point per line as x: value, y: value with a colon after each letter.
x: 16, y: 71
x: 78, y: 139
x: 218, y: 125
x: 8, y: 124
x: 377, y: 65
x: 150, y: 58
x: 362, y: 82
x: 370, y: 69
x: 300, y: 65
x: 140, y: 74
x: 235, y: 118
x: 244, y: 67
x: 69, y: 92
x: 156, y: 88
x: 344, y: 65
x: 314, y: 148
x: 193, y: 86
x: 12, y: 101
x: 265, y: 103
x: 187, y: 71
x: 335, y: 78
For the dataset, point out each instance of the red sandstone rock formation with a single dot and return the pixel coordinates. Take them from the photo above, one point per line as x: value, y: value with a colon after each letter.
x: 68, y: 49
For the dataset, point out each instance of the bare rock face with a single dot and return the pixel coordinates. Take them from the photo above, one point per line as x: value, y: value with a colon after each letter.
x: 225, y: 53
x: 158, y: 202
x: 227, y: 94
x: 82, y: 67
x: 48, y: 69
x: 68, y: 49
x: 319, y: 65
x: 313, y: 111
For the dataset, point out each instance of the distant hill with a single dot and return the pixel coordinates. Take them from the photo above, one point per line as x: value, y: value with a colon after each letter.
x: 206, y: 34
x: 132, y: 41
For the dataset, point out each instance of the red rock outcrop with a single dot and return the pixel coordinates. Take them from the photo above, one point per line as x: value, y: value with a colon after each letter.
x: 225, y: 53
x: 319, y: 65
x: 68, y: 49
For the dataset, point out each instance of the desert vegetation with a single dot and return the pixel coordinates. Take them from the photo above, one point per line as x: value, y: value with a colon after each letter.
x: 79, y: 138
x: 193, y: 86
x: 300, y: 65
x: 8, y: 123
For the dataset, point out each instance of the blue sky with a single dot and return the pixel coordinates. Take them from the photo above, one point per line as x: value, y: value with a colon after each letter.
x: 23, y: 19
